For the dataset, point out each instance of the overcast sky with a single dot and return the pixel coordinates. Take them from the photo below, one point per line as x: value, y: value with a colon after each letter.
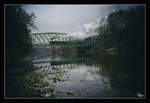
x: 69, y: 18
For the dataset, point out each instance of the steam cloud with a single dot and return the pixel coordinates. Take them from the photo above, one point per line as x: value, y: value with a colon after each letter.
x: 89, y: 29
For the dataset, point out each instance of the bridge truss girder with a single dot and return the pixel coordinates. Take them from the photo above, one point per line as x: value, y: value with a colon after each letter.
x: 57, y: 39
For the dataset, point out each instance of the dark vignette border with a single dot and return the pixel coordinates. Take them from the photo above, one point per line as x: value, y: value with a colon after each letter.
x: 2, y: 99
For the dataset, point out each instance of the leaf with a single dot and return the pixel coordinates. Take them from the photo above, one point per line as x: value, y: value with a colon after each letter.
x: 47, y: 95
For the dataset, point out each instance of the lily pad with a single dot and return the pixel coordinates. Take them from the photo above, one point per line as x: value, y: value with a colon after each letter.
x: 47, y: 95
x: 59, y: 91
x: 82, y: 80
x: 50, y: 89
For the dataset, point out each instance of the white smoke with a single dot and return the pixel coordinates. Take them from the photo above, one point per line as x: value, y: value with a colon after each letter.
x: 89, y: 29
x: 78, y: 35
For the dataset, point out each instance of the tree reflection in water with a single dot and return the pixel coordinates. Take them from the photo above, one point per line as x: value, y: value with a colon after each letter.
x: 106, y: 73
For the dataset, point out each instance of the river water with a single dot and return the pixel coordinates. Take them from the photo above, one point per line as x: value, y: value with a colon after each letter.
x: 87, y: 77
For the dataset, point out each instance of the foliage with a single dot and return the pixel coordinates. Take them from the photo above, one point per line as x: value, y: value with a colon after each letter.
x: 18, y: 25
x: 124, y: 31
x: 122, y: 35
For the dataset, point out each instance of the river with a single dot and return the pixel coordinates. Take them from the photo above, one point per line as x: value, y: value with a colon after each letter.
x: 87, y: 77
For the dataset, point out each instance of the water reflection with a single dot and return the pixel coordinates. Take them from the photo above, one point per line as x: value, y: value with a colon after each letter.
x: 105, y: 76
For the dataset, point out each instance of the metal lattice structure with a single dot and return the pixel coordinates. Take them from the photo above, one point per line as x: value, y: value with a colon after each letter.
x: 54, y: 38
x: 47, y: 66
x: 45, y: 38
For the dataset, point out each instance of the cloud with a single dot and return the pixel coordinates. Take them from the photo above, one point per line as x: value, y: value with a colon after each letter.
x: 79, y: 21
x: 78, y: 35
x: 89, y: 29
x: 91, y: 26
x: 65, y: 18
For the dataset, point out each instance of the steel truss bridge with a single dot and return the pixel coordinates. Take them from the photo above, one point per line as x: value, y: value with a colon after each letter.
x: 56, y: 66
x: 59, y: 39
x: 57, y: 70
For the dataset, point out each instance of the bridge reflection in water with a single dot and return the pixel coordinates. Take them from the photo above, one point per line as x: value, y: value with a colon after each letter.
x: 79, y: 76
x: 85, y: 78
x: 46, y: 66
x: 74, y: 78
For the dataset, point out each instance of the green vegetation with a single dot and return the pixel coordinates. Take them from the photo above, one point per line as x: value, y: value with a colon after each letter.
x: 59, y: 92
x: 21, y: 81
x: 82, y: 80
x: 122, y: 32
x: 122, y: 73
x: 121, y: 43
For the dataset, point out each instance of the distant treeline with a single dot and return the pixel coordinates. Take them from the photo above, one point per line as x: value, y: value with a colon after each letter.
x: 123, y: 31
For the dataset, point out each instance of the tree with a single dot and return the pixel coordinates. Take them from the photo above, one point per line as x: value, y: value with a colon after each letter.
x: 18, y: 25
